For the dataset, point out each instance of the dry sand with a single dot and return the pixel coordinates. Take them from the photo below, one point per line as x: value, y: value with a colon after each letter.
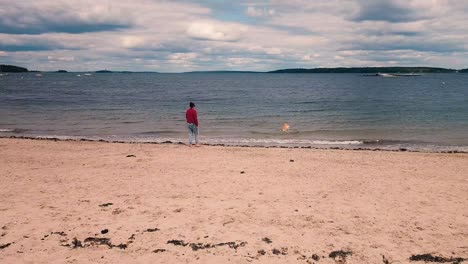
x: 227, y: 204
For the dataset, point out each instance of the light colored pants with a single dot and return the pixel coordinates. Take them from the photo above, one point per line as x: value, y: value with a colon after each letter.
x: 192, y: 133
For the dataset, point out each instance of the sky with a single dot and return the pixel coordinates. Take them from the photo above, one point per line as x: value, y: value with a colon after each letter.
x: 253, y: 35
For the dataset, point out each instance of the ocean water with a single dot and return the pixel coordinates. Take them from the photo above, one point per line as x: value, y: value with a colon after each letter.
x: 428, y: 112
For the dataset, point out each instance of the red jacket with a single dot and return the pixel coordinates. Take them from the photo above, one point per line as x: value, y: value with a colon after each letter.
x: 191, y: 116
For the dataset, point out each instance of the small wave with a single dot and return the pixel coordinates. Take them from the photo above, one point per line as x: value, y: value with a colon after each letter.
x: 11, y: 130
x: 376, y: 141
x: 286, y: 141
x: 338, y: 142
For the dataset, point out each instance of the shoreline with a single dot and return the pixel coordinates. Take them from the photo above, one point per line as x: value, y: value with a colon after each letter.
x: 54, y: 138
x: 95, y: 202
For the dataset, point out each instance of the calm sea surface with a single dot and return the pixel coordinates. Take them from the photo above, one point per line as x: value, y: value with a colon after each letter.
x: 428, y: 112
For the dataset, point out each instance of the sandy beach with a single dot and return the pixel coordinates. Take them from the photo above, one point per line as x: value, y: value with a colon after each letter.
x: 94, y: 202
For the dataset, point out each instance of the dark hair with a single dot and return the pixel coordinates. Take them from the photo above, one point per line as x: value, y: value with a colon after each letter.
x: 192, y: 105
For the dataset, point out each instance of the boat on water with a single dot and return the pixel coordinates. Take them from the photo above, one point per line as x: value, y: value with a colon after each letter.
x: 386, y: 75
x: 390, y: 75
x: 88, y: 74
x: 39, y: 75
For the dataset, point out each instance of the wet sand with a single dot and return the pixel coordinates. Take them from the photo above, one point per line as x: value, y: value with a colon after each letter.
x: 95, y: 202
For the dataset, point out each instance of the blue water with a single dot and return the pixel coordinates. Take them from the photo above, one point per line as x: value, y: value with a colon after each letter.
x: 428, y: 112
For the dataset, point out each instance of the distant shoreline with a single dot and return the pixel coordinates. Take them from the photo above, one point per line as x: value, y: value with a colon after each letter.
x: 359, y: 70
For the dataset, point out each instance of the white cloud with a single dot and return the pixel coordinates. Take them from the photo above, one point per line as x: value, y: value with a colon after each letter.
x: 132, y: 41
x: 265, y: 50
x: 310, y: 57
x: 259, y: 12
x: 211, y: 30
x: 59, y: 58
x: 183, y: 59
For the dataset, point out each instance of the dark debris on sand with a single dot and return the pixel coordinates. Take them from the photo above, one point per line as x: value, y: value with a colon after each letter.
x: 339, y: 256
x: 177, y: 242
x: 267, y: 240
x: 104, y: 231
x: 61, y: 233
x: 105, y: 204
x: 159, y: 250
x: 385, y: 260
x: 437, y: 259
x: 121, y: 246
x: 198, y: 246
x: 94, y: 241
x: 232, y: 245
x: 131, y: 156
x: 152, y: 230
x: 283, y: 251
x: 339, y: 253
x: 76, y: 243
x: 5, y: 245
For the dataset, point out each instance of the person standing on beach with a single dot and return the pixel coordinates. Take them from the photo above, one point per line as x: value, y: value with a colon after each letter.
x: 192, y: 124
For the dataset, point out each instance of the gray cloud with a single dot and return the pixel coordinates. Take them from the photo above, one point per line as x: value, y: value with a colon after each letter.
x: 164, y: 47
x: 30, y: 17
x: 26, y: 47
x: 52, y: 26
x: 390, y: 11
x: 410, y: 44
x: 26, y: 43
x: 18, y: 43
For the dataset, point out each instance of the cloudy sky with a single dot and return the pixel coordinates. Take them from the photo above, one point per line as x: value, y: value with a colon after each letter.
x: 182, y: 35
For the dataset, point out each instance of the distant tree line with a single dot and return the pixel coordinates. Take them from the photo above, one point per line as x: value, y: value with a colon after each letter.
x: 11, y: 68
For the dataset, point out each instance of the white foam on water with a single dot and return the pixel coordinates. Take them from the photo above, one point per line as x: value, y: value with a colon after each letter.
x: 6, y: 130
x: 282, y: 141
x: 344, y: 142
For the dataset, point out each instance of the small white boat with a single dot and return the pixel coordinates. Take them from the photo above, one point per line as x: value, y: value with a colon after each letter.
x: 385, y: 75
x: 39, y: 75
x: 88, y: 74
